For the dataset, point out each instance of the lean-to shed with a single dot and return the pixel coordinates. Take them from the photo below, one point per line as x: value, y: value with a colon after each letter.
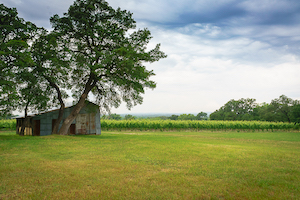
x: 87, y: 122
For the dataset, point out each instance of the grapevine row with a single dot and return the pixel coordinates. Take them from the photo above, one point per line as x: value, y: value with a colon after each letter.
x: 167, y: 125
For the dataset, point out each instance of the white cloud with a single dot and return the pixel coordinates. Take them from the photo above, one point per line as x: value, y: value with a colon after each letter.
x: 202, y: 74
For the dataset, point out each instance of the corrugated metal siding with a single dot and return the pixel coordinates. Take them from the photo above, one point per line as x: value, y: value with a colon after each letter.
x: 92, y: 124
x: 87, y: 122
x: 82, y: 122
x: 98, y: 123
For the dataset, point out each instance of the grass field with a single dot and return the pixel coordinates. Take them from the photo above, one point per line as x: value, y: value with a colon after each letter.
x: 151, y: 165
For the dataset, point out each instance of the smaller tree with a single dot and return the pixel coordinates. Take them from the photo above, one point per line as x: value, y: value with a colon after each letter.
x: 173, y: 117
x: 15, y: 34
x: 186, y: 117
x: 241, y: 109
x: 282, y: 108
x: 295, y: 113
x: 202, y: 116
x: 129, y: 117
x: 112, y: 116
x: 264, y: 112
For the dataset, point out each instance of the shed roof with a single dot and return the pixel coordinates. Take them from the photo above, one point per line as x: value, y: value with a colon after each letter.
x: 32, y: 115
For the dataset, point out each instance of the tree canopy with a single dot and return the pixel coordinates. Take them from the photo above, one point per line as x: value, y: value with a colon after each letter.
x: 14, y: 57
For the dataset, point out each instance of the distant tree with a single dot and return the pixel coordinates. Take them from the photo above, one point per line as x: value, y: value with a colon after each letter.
x: 202, y: 116
x: 108, y: 60
x: 295, y: 113
x: 114, y: 117
x: 129, y: 117
x: 173, y: 117
x: 282, y: 108
x: 264, y: 112
x: 241, y: 109
x: 163, y: 117
x: 186, y: 117
x: 217, y: 115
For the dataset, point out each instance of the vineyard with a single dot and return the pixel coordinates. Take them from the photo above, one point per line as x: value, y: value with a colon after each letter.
x: 172, y: 125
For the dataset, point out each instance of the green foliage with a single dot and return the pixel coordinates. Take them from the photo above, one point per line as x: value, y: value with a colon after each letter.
x: 8, y: 124
x: 240, y: 109
x: 279, y: 110
x: 282, y: 108
x: 202, y: 116
x: 112, y: 117
x: 174, y: 117
x: 15, y: 33
x: 186, y: 117
x: 295, y: 113
x: 129, y: 117
x: 20, y: 87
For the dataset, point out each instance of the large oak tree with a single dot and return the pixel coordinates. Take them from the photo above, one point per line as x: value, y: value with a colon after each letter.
x: 108, y: 59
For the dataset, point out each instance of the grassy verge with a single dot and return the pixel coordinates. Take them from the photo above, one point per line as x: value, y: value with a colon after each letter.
x: 151, y: 165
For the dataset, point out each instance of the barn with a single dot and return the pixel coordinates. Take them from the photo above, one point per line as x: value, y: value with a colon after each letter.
x: 87, y: 122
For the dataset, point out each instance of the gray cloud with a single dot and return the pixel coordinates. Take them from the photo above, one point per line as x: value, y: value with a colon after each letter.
x: 38, y: 11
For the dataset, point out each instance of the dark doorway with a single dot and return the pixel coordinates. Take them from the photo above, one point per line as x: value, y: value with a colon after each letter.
x: 73, y: 129
x: 53, y: 122
x: 37, y: 128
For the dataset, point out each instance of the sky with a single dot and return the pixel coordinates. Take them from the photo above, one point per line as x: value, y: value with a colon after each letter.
x: 217, y: 50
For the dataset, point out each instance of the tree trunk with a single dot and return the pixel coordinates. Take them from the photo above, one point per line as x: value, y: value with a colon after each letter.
x: 24, y: 125
x: 68, y: 121
x: 25, y: 122
x: 59, y: 119
x: 62, y: 105
x: 81, y: 103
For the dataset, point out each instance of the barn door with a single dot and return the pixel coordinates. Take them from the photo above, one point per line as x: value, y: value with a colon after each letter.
x: 73, y: 129
x: 37, y: 127
x: 53, y: 122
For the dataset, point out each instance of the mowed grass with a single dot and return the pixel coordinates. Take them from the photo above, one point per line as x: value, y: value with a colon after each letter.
x: 151, y: 165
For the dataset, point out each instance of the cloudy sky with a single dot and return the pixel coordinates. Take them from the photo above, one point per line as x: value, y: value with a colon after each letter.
x: 217, y: 50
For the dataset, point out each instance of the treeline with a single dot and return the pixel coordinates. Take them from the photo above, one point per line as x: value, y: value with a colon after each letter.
x: 282, y: 109
x: 199, y: 116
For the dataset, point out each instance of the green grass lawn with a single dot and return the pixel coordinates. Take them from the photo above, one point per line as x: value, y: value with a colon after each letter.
x: 151, y: 165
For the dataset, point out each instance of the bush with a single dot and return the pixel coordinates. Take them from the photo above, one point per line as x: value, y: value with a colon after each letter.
x: 8, y: 124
